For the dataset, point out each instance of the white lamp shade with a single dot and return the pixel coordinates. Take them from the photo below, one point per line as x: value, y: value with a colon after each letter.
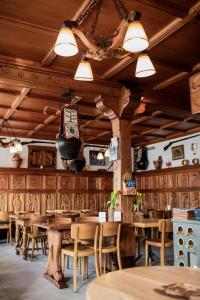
x: 100, y: 156
x: 66, y: 44
x: 107, y: 153
x: 144, y: 66
x: 18, y: 146
x: 135, y: 38
x: 84, y: 71
x: 12, y: 149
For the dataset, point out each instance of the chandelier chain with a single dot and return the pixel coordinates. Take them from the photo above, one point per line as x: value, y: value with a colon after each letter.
x: 87, y: 12
x: 94, y: 24
x: 121, y: 9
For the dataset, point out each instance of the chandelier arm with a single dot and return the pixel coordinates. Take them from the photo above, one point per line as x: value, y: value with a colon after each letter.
x: 82, y: 36
x: 118, y: 39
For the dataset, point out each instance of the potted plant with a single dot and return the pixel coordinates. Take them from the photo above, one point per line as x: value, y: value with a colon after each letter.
x: 112, y: 204
x: 137, y: 203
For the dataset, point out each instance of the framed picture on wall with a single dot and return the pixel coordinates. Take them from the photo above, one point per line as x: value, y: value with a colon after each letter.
x: 93, y: 161
x: 178, y: 152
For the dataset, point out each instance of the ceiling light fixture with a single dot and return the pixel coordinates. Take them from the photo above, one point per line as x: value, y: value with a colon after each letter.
x: 144, y: 66
x: 128, y: 37
x: 100, y: 156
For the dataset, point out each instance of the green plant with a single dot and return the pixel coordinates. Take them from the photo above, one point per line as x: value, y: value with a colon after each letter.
x: 137, y: 201
x: 113, y: 199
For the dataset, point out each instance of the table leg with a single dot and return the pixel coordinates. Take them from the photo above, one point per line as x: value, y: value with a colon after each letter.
x: 10, y: 229
x: 24, y: 245
x: 17, y: 239
x: 53, y: 270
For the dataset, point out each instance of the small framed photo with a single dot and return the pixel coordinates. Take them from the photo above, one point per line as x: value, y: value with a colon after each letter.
x: 178, y: 152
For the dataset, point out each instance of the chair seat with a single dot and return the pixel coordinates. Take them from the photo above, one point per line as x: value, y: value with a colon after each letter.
x: 168, y: 243
x: 108, y: 248
x: 83, y: 250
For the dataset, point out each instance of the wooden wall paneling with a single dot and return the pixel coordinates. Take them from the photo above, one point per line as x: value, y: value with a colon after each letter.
x: 163, y: 181
x: 3, y: 202
x: 174, y: 199
x: 172, y: 180
x: 93, y: 201
x: 33, y: 202
x: 195, y: 198
x: 94, y: 183
x: 16, y: 201
x: 146, y: 182
x: 139, y: 182
x: 65, y: 182
x: 66, y: 201
x: 184, y: 199
x: 106, y: 183
x: 80, y: 183
x: 17, y: 182
x: 4, y: 179
x: 49, y: 182
x: 79, y: 201
x: 147, y: 200
x: 154, y: 182
x: 194, y: 179
x: 183, y: 179
x: 155, y: 202
x: 50, y: 201
x: 163, y: 200
x: 34, y: 182
x: 103, y: 201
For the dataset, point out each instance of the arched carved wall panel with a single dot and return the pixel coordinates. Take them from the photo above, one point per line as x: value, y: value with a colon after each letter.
x: 40, y: 190
x: 179, y: 187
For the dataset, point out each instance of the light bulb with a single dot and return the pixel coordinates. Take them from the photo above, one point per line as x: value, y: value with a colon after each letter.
x: 100, y: 156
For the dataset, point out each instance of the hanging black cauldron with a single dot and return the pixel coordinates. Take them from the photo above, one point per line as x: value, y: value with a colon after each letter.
x: 68, y: 148
x: 77, y: 165
x: 142, y: 159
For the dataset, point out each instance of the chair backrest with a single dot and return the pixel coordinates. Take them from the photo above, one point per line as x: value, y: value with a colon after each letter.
x: 73, y: 216
x: 36, y: 219
x: 4, y: 216
x: 165, y: 225
x: 84, y: 231
x: 60, y: 220
x: 86, y: 219
x: 109, y: 229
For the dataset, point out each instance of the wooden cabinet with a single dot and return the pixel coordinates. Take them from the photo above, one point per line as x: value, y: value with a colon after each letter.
x: 178, y: 187
x: 40, y: 156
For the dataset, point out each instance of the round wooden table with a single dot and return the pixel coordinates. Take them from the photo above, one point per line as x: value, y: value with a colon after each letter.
x: 140, y: 283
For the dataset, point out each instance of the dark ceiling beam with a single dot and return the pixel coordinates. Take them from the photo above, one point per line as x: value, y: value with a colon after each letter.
x: 156, y: 39
x: 167, y: 6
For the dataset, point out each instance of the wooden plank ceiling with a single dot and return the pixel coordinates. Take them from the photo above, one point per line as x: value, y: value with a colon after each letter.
x: 32, y: 76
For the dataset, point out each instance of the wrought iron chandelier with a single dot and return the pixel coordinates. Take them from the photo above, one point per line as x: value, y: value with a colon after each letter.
x: 128, y: 37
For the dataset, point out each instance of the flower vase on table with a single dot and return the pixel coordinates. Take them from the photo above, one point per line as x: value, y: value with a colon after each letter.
x: 137, y: 205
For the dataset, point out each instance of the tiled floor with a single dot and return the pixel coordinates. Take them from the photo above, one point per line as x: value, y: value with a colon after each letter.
x: 23, y: 280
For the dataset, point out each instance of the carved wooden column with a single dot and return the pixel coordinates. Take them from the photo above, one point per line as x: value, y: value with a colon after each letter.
x: 120, y: 114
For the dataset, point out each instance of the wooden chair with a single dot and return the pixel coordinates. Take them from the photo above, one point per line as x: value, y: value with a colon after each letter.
x: 4, y: 223
x: 140, y: 234
x: 60, y: 220
x: 37, y: 235
x: 86, y: 219
x: 81, y: 232
x: 165, y: 227
x: 109, y: 230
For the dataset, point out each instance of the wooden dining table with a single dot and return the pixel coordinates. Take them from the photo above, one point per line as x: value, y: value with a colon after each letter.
x: 152, y: 283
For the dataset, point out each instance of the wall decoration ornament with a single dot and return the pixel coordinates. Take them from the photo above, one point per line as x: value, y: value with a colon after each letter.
x: 178, y: 152
x: 34, y: 202
x: 3, y: 202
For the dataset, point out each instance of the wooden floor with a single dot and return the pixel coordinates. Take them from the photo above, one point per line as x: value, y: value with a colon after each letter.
x: 23, y: 280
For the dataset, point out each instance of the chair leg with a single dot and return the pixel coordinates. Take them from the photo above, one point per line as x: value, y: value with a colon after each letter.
x: 162, y: 257
x: 67, y: 261
x: 119, y: 259
x: 146, y: 254
x: 82, y: 259
x: 75, y: 265
x: 100, y: 263
x: 8, y: 236
x: 104, y: 263
x: 33, y: 248
x: 42, y: 245
x: 96, y: 263
x: 86, y: 267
